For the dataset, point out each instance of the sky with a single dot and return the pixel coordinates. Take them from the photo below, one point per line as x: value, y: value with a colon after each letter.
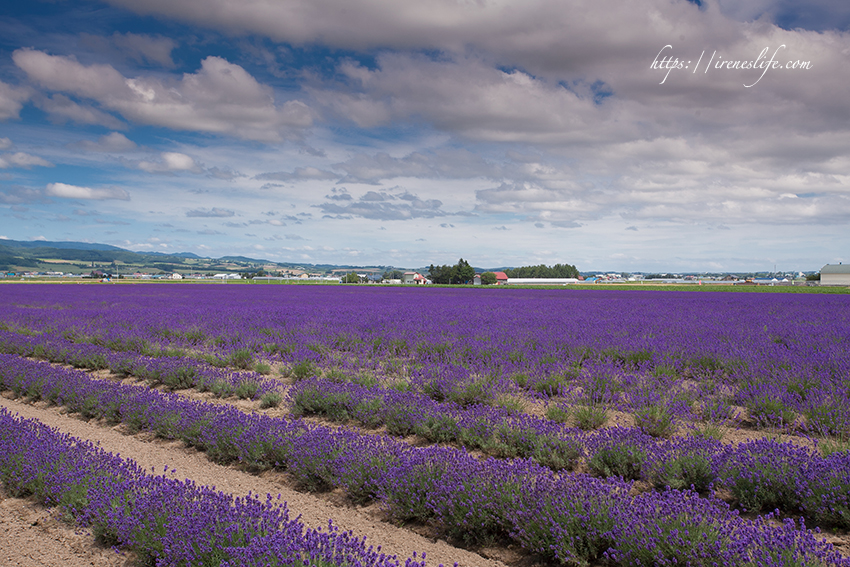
x: 652, y: 135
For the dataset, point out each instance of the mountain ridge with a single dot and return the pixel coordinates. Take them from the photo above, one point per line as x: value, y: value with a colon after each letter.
x: 72, y: 256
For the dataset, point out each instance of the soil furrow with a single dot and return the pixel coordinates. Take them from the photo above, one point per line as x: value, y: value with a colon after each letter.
x: 33, y: 536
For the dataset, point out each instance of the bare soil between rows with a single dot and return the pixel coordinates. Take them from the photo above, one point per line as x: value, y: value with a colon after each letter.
x: 33, y: 535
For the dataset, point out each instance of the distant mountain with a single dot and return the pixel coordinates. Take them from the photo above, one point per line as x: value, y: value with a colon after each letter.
x: 82, y: 257
x: 243, y: 259
x: 61, y: 245
x: 176, y: 255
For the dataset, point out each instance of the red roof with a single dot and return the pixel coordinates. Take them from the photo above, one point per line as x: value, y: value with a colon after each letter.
x: 501, y: 276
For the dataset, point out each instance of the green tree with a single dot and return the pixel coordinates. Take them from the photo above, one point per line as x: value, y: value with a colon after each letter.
x: 351, y: 277
x: 462, y: 272
x: 488, y: 278
x: 440, y: 274
x: 543, y: 271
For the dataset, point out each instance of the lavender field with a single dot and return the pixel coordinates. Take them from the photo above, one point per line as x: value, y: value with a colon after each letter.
x: 583, y: 427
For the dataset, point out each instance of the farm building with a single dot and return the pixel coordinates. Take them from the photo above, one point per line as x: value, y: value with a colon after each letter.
x: 835, y: 274
x: 414, y: 278
x: 541, y: 281
x: 501, y: 279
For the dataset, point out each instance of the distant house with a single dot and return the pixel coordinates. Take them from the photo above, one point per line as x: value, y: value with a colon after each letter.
x: 835, y: 274
x: 501, y: 279
x: 414, y: 278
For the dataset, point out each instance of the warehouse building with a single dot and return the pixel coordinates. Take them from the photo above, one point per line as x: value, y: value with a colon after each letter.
x: 835, y: 274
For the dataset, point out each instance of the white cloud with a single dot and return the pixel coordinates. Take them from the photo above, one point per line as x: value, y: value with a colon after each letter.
x: 467, y: 96
x: 215, y: 212
x: 299, y: 173
x: 525, y: 28
x: 607, y: 38
x: 223, y: 174
x: 12, y: 100
x: 62, y: 109
x: 16, y: 195
x: 170, y: 162
x: 220, y: 98
x: 67, y: 75
x: 537, y: 202
x: 5, y: 143
x: 21, y: 159
x: 65, y: 191
x: 178, y: 162
x: 112, y: 142
x: 384, y: 206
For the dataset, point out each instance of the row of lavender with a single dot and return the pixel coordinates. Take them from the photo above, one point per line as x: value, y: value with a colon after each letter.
x: 166, y: 521
x: 761, y: 475
x: 570, y: 518
x: 403, y: 412
x: 785, y: 357
x: 175, y: 372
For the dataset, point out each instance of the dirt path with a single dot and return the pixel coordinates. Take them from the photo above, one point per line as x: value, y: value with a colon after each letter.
x: 25, y: 545
x: 31, y: 536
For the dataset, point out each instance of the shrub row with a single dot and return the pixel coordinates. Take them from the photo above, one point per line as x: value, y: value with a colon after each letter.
x: 174, y: 372
x: 166, y: 521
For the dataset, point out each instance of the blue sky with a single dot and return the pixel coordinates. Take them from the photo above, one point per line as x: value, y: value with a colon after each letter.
x: 363, y: 132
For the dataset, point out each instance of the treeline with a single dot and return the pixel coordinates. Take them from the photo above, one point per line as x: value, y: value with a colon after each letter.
x: 463, y: 273
x: 460, y: 273
x: 543, y: 271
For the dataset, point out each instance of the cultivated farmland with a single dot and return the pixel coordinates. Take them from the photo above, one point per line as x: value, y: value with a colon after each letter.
x: 529, y: 426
